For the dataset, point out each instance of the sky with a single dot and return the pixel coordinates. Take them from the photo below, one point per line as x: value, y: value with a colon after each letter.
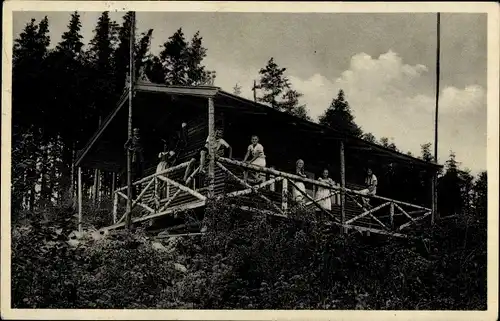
x: 385, y: 63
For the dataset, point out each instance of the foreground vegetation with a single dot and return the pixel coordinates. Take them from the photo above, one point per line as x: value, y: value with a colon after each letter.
x: 246, y: 262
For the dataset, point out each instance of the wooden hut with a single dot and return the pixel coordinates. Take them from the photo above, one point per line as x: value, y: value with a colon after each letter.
x: 159, y: 112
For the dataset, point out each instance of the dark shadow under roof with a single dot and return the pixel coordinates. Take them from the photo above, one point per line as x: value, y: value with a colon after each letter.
x: 233, y: 103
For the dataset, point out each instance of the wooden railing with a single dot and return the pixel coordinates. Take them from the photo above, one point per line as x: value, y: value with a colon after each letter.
x: 389, y: 216
x: 158, y: 195
x: 166, y: 192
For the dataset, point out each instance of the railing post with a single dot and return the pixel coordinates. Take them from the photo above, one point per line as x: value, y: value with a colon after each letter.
x: 115, y: 206
x: 156, y: 197
x: 392, y: 215
x: 284, y: 195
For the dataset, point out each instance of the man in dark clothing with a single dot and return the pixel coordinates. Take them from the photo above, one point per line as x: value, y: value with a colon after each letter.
x: 134, y: 146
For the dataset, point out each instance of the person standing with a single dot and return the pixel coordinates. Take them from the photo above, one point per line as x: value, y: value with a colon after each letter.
x: 134, y: 146
x: 255, y: 156
x: 371, y: 186
x: 299, y: 170
x: 323, y: 194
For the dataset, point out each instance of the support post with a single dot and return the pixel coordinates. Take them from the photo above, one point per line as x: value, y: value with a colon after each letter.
x: 113, y: 183
x: 434, y: 215
x: 392, y: 215
x: 79, y: 199
x: 342, y: 185
x: 128, y: 216
x: 284, y: 196
x: 211, y: 149
x: 94, y: 187
x: 115, y: 206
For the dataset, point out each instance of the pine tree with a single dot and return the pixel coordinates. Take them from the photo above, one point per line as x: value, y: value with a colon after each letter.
x: 369, y: 137
x: 122, y: 54
x: 278, y: 92
x: 339, y: 116
x: 273, y: 83
x: 480, y: 200
x: 196, y: 73
x: 290, y: 104
x: 449, y: 188
x: 174, y: 59
x: 384, y: 141
x: 30, y: 108
x: 101, y: 51
x: 71, y: 43
x: 426, y: 152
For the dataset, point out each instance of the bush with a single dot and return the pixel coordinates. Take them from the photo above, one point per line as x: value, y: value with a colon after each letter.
x: 250, y: 262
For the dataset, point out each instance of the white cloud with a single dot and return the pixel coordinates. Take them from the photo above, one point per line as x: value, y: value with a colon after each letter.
x: 386, y: 102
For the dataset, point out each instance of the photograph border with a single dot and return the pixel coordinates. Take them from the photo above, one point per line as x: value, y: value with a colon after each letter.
x: 493, y: 27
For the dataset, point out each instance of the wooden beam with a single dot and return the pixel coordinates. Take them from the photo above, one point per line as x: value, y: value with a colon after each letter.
x: 415, y: 220
x: 144, y: 190
x: 250, y: 190
x: 284, y: 196
x: 163, y: 172
x: 366, y: 213
x: 392, y: 215
x: 199, y: 91
x: 242, y: 182
x: 115, y: 207
x: 79, y: 199
x: 188, y: 180
x: 182, y: 187
x: 434, y: 199
x: 313, y: 201
x: 178, y: 208
x: 342, y: 184
x: 113, y: 182
x: 403, y: 211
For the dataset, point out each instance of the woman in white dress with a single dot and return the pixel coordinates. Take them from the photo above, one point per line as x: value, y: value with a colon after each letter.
x: 255, y: 156
x: 323, y: 195
x: 299, y: 170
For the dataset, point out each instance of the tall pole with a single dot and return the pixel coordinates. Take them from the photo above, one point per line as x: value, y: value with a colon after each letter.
x: 211, y: 143
x: 438, y: 54
x: 254, y: 89
x: 130, y: 98
x: 434, y: 179
x: 342, y: 184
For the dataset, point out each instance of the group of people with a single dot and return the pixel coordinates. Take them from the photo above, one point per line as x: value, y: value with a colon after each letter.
x: 254, y: 155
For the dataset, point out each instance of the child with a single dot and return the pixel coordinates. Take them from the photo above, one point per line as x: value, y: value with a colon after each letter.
x: 255, y: 152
